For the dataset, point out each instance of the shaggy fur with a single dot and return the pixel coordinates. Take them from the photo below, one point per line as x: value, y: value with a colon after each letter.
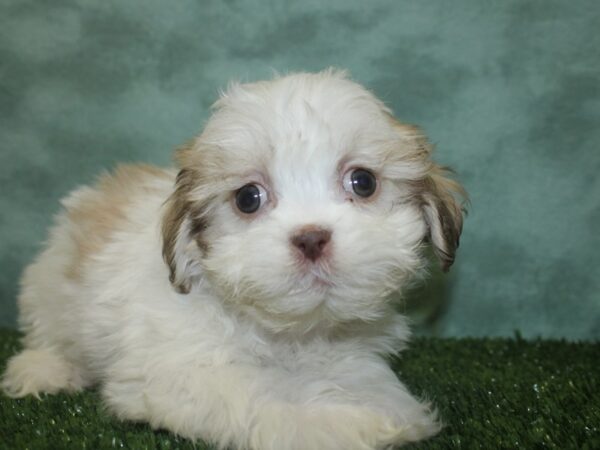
x: 207, y: 321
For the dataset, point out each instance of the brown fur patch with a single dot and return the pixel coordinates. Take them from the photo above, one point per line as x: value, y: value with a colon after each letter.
x: 437, y: 192
x: 177, y: 208
x: 420, y: 146
x: 447, y: 198
x: 180, y: 207
x: 99, y: 211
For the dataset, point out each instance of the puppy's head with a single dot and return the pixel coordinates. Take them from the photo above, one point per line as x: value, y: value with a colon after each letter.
x: 305, y: 203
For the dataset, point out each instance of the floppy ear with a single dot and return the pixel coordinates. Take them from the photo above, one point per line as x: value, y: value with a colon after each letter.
x: 182, y: 227
x: 443, y: 199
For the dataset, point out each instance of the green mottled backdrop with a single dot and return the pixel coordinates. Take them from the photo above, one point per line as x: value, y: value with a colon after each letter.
x: 509, y: 91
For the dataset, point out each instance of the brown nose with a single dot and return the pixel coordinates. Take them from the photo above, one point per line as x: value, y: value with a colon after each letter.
x: 311, y: 241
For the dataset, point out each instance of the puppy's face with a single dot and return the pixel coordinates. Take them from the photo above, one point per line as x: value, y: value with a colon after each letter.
x: 304, y: 203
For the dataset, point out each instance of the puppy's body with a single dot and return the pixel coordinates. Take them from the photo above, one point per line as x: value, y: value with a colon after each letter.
x: 260, y: 345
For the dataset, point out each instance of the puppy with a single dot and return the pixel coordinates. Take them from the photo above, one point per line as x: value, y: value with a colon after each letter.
x: 244, y: 298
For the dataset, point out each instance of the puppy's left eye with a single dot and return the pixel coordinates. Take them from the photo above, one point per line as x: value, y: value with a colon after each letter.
x: 361, y: 182
x: 250, y: 198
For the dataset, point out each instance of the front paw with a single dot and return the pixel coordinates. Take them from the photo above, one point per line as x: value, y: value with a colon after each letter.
x: 333, y: 427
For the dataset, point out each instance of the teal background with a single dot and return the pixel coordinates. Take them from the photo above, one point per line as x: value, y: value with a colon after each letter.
x: 509, y: 92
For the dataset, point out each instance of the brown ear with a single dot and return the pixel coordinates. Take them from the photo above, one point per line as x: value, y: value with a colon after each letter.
x: 443, y: 206
x: 182, y: 228
x: 442, y: 198
x: 173, y: 231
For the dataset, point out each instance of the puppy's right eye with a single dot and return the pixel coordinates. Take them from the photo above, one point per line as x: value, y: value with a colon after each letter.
x: 250, y: 197
x: 360, y: 182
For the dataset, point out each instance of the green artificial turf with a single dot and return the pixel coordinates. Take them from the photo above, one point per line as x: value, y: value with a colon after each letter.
x: 491, y: 393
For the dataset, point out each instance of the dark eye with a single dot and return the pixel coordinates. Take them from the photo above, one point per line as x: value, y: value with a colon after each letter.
x: 250, y: 198
x: 360, y: 182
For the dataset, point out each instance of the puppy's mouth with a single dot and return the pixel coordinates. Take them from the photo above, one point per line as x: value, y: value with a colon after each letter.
x: 316, y: 277
x: 320, y: 282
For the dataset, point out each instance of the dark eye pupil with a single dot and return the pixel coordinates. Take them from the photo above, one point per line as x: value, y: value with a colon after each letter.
x: 363, y: 182
x: 247, y: 199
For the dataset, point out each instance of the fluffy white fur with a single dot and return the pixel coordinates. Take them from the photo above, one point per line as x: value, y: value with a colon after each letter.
x: 200, y: 319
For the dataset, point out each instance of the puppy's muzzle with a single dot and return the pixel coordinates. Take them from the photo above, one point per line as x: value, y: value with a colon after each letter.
x: 312, y: 241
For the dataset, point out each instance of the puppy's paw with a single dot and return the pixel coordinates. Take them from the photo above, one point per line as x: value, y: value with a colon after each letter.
x: 32, y: 372
x: 333, y: 427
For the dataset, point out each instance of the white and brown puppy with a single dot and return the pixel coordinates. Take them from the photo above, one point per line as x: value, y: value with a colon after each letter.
x: 245, y: 297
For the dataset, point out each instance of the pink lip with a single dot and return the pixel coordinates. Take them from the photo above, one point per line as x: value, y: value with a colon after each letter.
x: 316, y: 276
x: 319, y: 281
